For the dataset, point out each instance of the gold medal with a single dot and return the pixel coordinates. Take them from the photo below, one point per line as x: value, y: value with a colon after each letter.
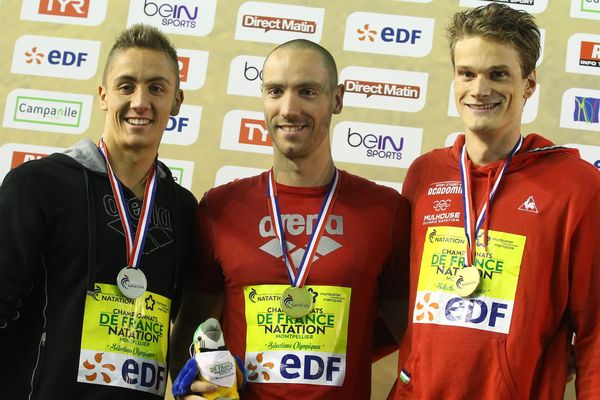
x: 296, y: 301
x: 467, y: 280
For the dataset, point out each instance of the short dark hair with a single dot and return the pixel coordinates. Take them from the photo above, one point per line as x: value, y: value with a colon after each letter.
x: 328, y: 60
x: 502, y: 24
x: 145, y: 37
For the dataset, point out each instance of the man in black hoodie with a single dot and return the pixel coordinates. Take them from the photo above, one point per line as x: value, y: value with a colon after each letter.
x: 93, y: 244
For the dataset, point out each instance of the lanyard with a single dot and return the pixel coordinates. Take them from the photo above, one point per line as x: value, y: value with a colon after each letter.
x: 133, y: 245
x: 471, y: 230
x: 298, y: 277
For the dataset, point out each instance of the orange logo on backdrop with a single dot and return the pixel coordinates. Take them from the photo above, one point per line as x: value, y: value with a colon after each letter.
x: 19, y: 157
x: 72, y: 8
x: 254, y: 131
x: 590, y: 51
x: 184, y: 66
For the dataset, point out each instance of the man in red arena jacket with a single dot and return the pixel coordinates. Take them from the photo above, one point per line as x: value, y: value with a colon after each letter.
x: 505, y: 251
x: 302, y: 227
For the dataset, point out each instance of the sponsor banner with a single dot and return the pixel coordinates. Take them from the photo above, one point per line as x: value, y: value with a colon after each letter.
x: 529, y: 111
x: 589, y: 153
x: 583, y: 54
x: 124, y: 341
x: 308, y: 350
x: 14, y: 154
x: 75, y: 12
x: 498, y: 263
x: 183, y: 171
x: 384, y: 89
x: 246, y: 131
x: 588, y: 9
x: 531, y: 6
x: 55, y: 57
x: 278, y: 23
x: 230, y: 173
x: 376, y: 144
x: 397, y: 35
x: 245, y: 76
x: 183, y: 128
x: 41, y: 110
x: 181, y: 17
x: 192, y: 68
x: 394, y: 185
x: 580, y: 109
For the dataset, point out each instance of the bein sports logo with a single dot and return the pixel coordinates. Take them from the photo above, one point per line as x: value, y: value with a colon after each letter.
x: 187, y: 17
x: 398, y: 35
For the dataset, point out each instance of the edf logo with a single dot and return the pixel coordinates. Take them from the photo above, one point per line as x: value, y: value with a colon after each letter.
x: 177, y: 124
x: 475, y: 311
x: 55, y: 57
x: 398, y: 35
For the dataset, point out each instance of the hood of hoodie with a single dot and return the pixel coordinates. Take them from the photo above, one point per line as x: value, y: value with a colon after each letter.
x: 85, y: 154
x: 533, y: 147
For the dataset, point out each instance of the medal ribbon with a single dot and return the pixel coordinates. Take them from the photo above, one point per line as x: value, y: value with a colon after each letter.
x: 133, y: 245
x: 298, y: 277
x: 471, y: 229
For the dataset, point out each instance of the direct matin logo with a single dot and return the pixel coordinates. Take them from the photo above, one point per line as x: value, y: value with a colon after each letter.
x: 587, y: 109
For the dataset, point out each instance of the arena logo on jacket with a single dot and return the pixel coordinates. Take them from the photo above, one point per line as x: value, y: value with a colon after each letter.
x: 490, y: 308
x: 297, y: 224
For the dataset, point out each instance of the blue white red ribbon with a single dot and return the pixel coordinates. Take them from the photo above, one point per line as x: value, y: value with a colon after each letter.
x: 471, y: 230
x: 299, y: 275
x: 133, y: 245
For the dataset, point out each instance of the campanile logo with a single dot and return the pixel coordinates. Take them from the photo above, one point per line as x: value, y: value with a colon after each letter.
x: 398, y: 35
x: 77, y: 12
x: 588, y: 9
x: 384, y: 89
x: 583, y: 54
x: 278, y: 23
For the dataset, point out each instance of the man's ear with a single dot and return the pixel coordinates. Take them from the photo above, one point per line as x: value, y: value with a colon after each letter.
x: 338, y: 99
x: 102, y: 96
x: 531, y: 84
x: 177, y: 102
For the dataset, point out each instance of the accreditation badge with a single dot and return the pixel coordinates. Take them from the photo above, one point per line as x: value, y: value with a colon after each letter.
x: 124, y: 341
x: 310, y: 349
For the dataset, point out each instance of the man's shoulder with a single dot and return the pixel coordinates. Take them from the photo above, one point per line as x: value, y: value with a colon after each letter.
x: 366, y: 188
x: 242, y: 187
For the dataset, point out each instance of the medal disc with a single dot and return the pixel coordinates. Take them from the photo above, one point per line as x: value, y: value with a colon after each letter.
x: 467, y: 280
x: 296, y: 302
x: 131, y: 282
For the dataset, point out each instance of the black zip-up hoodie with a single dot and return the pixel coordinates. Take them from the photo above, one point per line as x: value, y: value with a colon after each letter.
x: 60, y: 233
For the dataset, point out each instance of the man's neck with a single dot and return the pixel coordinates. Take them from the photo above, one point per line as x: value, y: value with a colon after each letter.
x: 132, y: 169
x: 303, y: 173
x: 483, y: 150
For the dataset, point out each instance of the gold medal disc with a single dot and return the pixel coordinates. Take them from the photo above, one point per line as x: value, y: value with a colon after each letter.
x: 467, y: 280
x: 296, y: 302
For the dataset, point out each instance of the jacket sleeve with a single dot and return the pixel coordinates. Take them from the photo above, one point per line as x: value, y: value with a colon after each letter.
x: 585, y: 300
x: 21, y: 231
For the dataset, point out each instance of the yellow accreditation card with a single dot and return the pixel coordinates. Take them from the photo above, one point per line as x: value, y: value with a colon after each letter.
x: 283, y: 349
x: 490, y: 306
x: 124, y: 341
